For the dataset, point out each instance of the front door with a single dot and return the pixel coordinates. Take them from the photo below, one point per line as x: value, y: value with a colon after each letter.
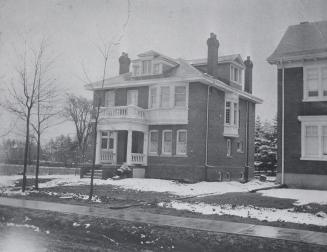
x: 122, y: 146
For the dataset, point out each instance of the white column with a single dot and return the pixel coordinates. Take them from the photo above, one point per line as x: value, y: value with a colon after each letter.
x: 98, y: 148
x: 145, y: 147
x: 129, y: 148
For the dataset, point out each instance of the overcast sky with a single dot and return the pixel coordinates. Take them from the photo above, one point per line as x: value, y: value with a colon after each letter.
x: 176, y: 28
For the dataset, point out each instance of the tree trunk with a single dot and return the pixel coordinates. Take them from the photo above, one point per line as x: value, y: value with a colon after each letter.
x: 94, y: 152
x: 26, y: 148
x: 37, y: 159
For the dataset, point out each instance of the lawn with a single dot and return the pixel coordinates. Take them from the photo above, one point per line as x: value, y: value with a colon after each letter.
x: 231, y: 201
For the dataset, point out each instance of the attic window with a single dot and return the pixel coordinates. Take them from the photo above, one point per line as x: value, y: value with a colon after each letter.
x: 136, y: 70
x: 156, y: 68
x: 146, y: 67
x: 236, y: 74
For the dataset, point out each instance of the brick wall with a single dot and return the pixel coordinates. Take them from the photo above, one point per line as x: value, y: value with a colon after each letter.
x: 294, y: 106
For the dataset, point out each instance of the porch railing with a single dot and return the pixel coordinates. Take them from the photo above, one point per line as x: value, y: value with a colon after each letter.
x: 107, y: 156
x: 138, y: 158
x: 123, y: 112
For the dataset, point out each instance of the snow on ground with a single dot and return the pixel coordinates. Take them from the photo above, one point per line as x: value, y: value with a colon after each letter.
x: 262, y: 214
x: 160, y: 185
x: 301, y: 196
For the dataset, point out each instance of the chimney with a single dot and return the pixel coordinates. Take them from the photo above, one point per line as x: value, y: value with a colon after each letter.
x: 248, y: 75
x: 212, y: 63
x: 124, y: 63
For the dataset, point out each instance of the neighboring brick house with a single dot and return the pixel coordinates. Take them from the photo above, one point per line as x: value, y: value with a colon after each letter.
x: 301, y: 59
x: 188, y: 120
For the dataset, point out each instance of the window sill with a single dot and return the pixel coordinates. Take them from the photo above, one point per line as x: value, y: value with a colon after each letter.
x: 313, y: 158
x: 181, y: 155
x: 241, y: 152
x: 153, y: 155
x: 229, y: 156
x: 319, y: 99
x: 165, y: 155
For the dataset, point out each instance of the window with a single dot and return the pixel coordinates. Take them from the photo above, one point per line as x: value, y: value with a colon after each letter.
x: 153, y: 97
x: 156, y: 68
x: 229, y: 147
x: 167, y: 137
x: 227, y: 113
x: 154, y: 140
x: 231, y: 113
x: 107, y: 140
x: 109, y: 99
x: 236, y: 74
x: 240, y: 147
x: 315, y: 83
x: 313, y: 137
x: 132, y: 97
x: 146, y: 67
x: 181, y: 142
x: 136, y: 70
x: 164, y: 97
x: 180, y: 96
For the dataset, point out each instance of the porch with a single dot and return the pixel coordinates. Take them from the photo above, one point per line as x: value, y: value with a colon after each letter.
x: 122, y: 146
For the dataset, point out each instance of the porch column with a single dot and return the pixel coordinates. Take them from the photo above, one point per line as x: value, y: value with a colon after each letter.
x: 98, y: 148
x: 129, y: 148
x: 145, y: 147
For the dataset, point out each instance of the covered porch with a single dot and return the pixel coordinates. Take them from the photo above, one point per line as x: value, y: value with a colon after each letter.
x: 122, y: 146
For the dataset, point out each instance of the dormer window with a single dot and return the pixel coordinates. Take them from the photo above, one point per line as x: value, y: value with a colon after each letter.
x: 136, y: 70
x: 146, y: 67
x: 236, y: 74
x: 156, y: 68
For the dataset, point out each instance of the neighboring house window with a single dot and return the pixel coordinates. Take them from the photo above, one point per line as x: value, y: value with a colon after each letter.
x: 229, y: 147
x: 314, y: 137
x: 156, y: 68
x: 240, y: 147
x: 132, y: 97
x: 153, y: 97
x: 315, y: 83
x: 109, y: 100
x: 146, y: 67
x: 136, y: 69
x: 227, y: 112
x: 236, y: 74
x: 154, y: 141
x: 181, y: 142
x: 231, y: 113
x: 167, y: 141
x: 164, y: 97
x: 180, y: 96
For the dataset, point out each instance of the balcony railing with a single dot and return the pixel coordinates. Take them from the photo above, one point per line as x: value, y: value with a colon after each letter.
x: 123, y: 112
x: 138, y: 158
x: 107, y: 156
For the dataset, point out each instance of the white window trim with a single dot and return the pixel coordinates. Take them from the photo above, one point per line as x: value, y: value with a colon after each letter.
x: 320, y: 96
x: 153, y: 153
x: 312, y: 121
x: 106, y: 96
x: 239, y: 78
x: 228, y: 147
x: 186, y: 95
x: 232, y: 115
x: 169, y: 98
x: 137, y: 97
x: 156, y: 105
x: 177, y: 137
x: 163, y: 143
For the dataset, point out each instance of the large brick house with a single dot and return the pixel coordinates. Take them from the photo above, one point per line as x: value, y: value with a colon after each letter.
x: 189, y: 120
x: 301, y: 59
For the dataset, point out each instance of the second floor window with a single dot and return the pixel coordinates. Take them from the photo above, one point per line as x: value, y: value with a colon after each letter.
x: 315, y: 83
x: 180, y: 96
x: 132, y: 97
x: 231, y: 113
x: 153, y: 97
x: 146, y: 67
x: 109, y: 100
x: 164, y: 97
x: 227, y: 112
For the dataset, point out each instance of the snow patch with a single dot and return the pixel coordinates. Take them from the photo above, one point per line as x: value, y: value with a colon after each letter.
x: 34, y: 228
x: 262, y: 214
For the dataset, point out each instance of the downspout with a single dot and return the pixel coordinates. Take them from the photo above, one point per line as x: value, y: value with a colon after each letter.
x: 207, y: 133
x: 283, y: 123
x: 247, y: 133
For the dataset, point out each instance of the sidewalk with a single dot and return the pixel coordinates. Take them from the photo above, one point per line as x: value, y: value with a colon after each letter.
x: 294, y: 235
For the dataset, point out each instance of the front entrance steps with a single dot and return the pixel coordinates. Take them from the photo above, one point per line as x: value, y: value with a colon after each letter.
x: 97, y: 174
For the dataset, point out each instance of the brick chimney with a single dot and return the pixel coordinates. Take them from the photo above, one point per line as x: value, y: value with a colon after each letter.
x: 248, y: 75
x: 124, y: 63
x: 212, y: 63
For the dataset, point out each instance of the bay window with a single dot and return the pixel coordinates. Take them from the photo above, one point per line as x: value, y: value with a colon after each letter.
x: 315, y: 83
x: 231, y: 113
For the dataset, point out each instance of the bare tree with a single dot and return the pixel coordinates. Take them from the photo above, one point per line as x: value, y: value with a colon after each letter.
x: 23, y: 95
x: 78, y: 109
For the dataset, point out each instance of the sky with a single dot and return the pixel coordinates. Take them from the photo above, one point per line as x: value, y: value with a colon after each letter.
x: 75, y: 29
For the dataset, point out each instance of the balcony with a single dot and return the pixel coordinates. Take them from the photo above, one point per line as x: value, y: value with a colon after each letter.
x: 130, y: 112
x: 230, y: 130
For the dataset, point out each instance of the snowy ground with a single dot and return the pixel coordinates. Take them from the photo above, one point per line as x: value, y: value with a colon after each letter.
x: 301, y: 197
